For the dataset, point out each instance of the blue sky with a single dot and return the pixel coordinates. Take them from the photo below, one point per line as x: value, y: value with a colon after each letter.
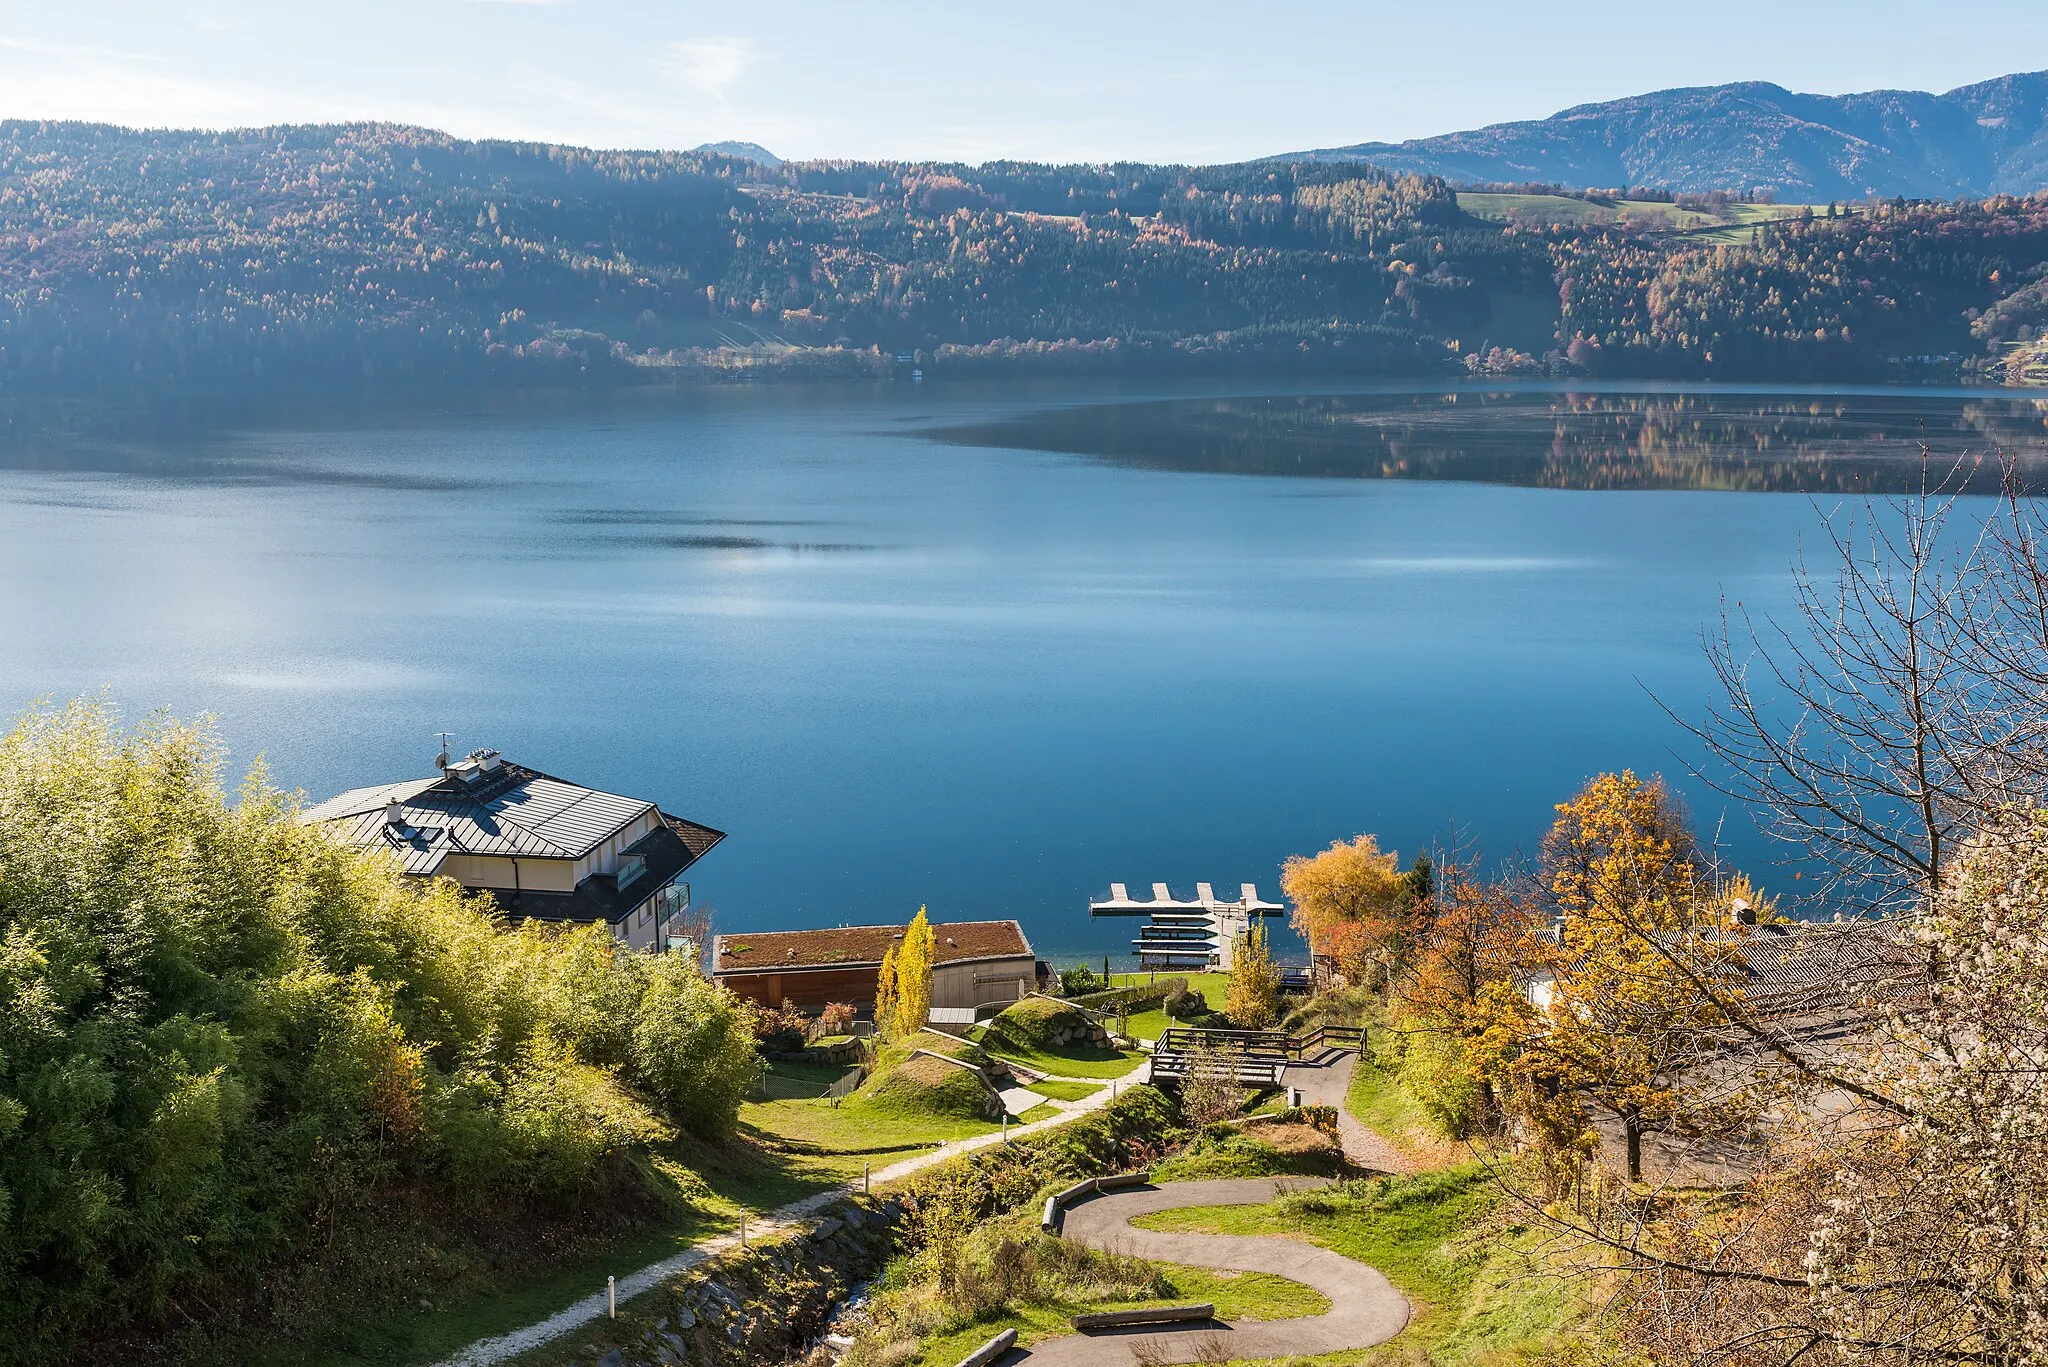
x: 1188, y: 81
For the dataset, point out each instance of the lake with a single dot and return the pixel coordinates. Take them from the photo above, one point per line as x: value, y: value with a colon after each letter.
x: 983, y: 649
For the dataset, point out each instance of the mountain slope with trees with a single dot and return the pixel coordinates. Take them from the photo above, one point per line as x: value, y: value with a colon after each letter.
x: 172, y: 268
x: 1984, y: 139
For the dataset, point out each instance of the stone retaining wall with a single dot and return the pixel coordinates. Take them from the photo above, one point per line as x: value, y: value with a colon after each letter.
x: 765, y: 1304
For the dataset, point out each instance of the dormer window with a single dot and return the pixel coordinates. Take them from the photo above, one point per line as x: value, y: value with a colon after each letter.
x: 630, y: 869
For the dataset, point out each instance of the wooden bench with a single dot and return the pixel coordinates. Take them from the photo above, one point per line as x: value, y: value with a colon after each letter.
x: 1150, y: 1314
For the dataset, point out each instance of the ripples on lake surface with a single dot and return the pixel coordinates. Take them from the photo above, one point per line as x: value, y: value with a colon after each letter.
x: 982, y: 648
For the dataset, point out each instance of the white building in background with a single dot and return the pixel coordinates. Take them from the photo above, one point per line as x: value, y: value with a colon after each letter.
x: 544, y: 848
x: 1196, y: 935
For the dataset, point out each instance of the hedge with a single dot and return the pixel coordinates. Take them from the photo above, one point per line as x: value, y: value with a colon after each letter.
x: 1137, y: 997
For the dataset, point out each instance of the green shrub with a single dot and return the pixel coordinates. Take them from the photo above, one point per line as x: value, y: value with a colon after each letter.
x: 1273, y: 1150
x: 1387, y: 1195
x: 1137, y: 997
x: 1079, y: 979
x: 1438, y: 1075
x: 690, y: 1047
x: 216, y: 1022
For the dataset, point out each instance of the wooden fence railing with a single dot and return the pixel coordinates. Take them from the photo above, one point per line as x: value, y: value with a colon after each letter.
x: 1257, y: 1058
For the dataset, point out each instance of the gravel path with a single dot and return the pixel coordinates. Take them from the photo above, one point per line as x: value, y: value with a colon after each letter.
x: 1365, y: 1309
x: 485, y: 1352
x: 1325, y: 1085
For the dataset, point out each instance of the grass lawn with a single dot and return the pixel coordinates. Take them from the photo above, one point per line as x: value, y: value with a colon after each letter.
x: 825, y: 1074
x: 838, y: 1139
x: 1044, y: 1110
x: 1379, y: 1100
x: 1740, y: 218
x: 1236, y: 1295
x: 1061, y: 1090
x: 1089, y: 1063
x: 1152, y: 1024
x: 1436, y: 1237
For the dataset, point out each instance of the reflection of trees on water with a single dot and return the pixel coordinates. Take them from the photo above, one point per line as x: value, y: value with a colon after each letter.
x: 1760, y: 443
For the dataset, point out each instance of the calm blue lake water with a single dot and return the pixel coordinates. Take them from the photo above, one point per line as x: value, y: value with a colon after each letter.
x: 903, y: 668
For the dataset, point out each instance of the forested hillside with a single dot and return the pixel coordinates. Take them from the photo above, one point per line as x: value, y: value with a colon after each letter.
x: 185, y: 266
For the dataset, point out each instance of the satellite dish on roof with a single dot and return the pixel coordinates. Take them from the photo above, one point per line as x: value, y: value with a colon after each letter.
x: 441, y: 760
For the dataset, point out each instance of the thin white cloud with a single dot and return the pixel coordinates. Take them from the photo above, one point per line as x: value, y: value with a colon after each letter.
x: 74, y: 51
x: 712, y: 66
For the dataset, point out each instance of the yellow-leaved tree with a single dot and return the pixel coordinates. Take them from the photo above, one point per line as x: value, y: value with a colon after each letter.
x: 1616, y: 1017
x: 1622, y: 850
x: 885, y: 995
x: 914, y: 975
x: 1253, y: 1001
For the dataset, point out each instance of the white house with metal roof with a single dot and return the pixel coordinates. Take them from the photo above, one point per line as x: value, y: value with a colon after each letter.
x: 543, y: 847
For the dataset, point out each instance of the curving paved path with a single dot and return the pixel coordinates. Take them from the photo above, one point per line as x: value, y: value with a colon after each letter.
x: 1365, y: 1309
x: 1326, y: 1084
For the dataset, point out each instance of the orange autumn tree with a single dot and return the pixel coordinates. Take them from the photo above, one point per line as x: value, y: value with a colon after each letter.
x: 1480, y: 934
x: 1350, y: 905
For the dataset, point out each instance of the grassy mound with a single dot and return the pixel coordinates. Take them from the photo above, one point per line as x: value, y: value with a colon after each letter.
x: 1289, y: 1149
x: 905, y: 1082
x: 1028, y: 1033
x: 1042, y: 1024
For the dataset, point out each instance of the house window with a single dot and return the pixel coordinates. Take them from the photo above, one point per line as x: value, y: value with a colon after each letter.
x: 646, y: 912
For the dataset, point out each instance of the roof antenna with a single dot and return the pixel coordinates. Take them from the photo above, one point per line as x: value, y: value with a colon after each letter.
x: 441, y: 760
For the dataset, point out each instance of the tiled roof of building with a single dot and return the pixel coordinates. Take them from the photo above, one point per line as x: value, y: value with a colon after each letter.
x: 862, y: 946
x: 1819, y: 958
x: 1792, y: 967
x: 482, y: 806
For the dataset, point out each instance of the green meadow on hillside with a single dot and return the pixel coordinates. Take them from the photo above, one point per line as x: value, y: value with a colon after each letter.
x: 1567, y: 211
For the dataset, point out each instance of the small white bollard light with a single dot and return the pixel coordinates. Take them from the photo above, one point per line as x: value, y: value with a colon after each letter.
x: 611, y: 1296
x: 866, y: 1174
x: 1006, y: 1127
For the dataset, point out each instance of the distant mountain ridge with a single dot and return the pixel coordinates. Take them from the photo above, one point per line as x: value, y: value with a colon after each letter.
x: 741, y: 151
x: 1988, y: 138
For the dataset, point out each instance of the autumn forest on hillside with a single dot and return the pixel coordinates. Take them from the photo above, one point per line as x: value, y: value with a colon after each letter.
x: 332, y: 259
